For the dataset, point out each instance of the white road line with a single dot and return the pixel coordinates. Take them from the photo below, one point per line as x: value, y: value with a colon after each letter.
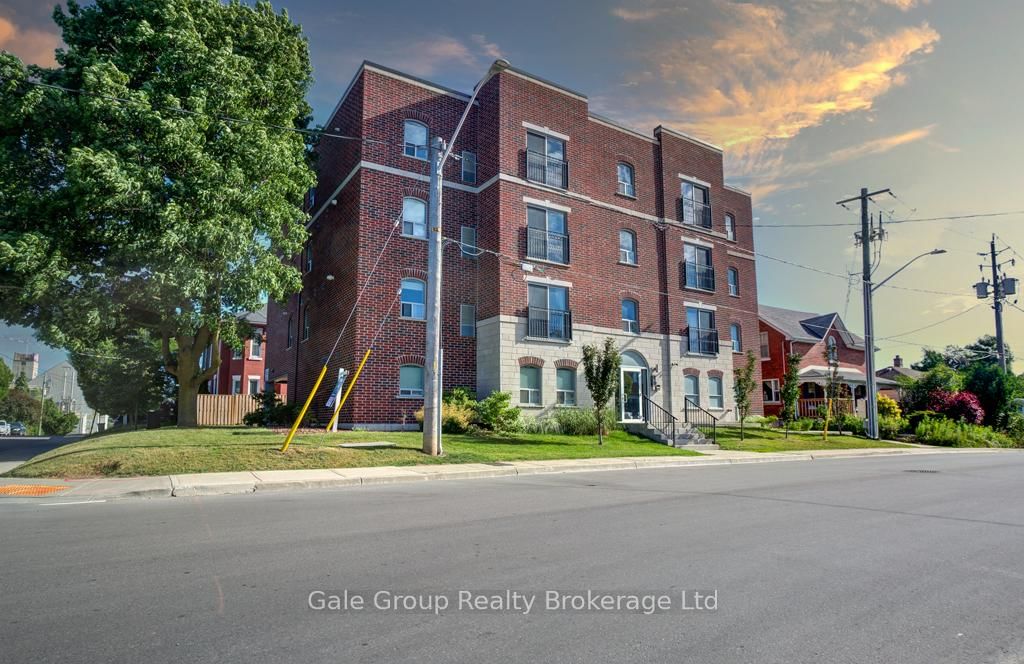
x: 77, y: 502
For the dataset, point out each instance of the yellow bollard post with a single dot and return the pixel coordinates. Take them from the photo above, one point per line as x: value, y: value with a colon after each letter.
x: 828, y: 416
x: 305, y: 407
x: 348, y: 389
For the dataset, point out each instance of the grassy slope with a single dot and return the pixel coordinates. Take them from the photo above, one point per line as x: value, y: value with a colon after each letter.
x: 172, y: 451
x: 770, y: 440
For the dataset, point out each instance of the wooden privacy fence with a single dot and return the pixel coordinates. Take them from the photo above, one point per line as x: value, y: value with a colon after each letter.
x: 224, y: 409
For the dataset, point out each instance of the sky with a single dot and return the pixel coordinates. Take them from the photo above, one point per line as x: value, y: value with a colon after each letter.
x: 811, y: 99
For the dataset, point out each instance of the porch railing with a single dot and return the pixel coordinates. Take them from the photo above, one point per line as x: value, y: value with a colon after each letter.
x: 809, y: 407
x: 549, y: 323
x: 547, y: 170
x: 699, y: 276
x: 547, y: 246
x: 699, y: 418
x: 703, y: 342
x: 661, y: 419
x: 695, y: 213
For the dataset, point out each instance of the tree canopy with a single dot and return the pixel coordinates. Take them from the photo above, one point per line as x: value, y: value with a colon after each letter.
x: 151, y: 180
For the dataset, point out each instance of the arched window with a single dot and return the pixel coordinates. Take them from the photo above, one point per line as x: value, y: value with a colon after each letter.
x: 309, y: 257
x: 291, y: 331
x: 833, y: 353
x: 415, y: 139
x: 630, y: 316
x: 414, y: 299
x: 626, y: 183
x: 414, y: 217
x: 627, y: 247
x: 691, y: 388
x: 410, y: 380
x: 716, y: 398
x: 305, y: 322
x: 736, y: 335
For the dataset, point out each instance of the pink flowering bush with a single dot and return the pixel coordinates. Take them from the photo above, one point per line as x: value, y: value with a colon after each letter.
x: 958, y: 406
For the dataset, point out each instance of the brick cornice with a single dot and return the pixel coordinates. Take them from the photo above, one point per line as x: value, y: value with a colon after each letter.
x: 566, y: 363
x: 531, y: 361
x: 411, y: 359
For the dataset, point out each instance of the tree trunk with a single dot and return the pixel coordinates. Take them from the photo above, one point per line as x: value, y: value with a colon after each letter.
x: 741, y: 428
x: 600, y: 426
x: 188, y: 414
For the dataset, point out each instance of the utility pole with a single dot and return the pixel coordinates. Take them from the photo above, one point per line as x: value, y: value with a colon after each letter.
x: 1001, y: 287
x: 432, y: 358
x: 867, y: 235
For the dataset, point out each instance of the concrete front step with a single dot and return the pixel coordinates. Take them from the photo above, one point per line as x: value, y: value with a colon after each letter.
x: 686, y: 437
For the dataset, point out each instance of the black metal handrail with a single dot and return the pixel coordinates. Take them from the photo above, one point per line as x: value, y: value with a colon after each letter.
x: 700, y: 276
x: 695, y: 213
x: 547, y: 245
x: 661, y: 419
x: 549, y: 323
x: 548, y: 170
x: 704, y: 342
x: 697, y: 417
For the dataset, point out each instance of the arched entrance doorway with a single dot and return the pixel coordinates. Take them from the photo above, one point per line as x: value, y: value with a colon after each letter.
x: 634, y: 387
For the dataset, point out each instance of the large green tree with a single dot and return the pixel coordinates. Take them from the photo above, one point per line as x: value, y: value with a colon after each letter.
x: 6, y: 378
x: 158, y: 184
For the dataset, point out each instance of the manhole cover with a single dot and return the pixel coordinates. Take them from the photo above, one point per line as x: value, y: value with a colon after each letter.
x: 29, y: 489
x: 921, y: 471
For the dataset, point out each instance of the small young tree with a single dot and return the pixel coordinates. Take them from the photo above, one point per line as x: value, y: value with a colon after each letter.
x: 743, y: 386
x: 601, y: 369
x: 790, y: 389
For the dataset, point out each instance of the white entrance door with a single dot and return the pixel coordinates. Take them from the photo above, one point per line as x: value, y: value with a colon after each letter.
x: 631, y: 400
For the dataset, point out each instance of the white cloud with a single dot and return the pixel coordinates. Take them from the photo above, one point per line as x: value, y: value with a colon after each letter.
x: 31, y: 45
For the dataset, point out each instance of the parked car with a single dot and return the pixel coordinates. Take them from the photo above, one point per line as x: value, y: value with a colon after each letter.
x: 5, y: 428
x: 18, y: 429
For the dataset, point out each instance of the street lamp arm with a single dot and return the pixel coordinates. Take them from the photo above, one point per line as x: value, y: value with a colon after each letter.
x: 933, y: 252
x: 498, y: 66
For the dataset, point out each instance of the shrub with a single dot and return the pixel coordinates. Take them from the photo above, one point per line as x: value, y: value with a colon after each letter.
x: 889, y: 426
x: 577, y: 421
x: 461, y: 396
x: 455, y: 418
x: 541, y: 425
x: 1015, y: 428
x: 273, y: 412
x: 803, y: 424
x: 887, y: 407
x: 957, y: 406
x: 939, y: 431
x: 497, y: 415
x: 852, y: 423
x: 760, y: 420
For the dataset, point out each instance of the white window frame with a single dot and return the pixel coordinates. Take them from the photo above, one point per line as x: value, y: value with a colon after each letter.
x: 238, y: 353
x: 736, y: 339
x: 413, y: 225
x: 626, y: 187
x: 305, y: 323
x: 548, y: 213
x: 414, y: 307
x: 467, y: 236
x: 734, y: 286
x: 415, y: 147
x: 467, y: 311
x: 716, y: 401
x: 468, y: 174
x: 291, y: 332
x: 236, y: 384
x: 214, y: 383
x: 307, y: 260
x: 695, y: 397
x: 411, y: 392
x: 775, y: 390
x: 631, y: 326
x: 730, y: 227
x: 248, y: 385
x: 627, y: 256
x: 565, y: 397
x: 531, y: 392
x: 256, y: 347
x: 766, y: 351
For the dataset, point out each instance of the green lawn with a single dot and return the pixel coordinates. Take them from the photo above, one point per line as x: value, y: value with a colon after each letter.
x: 172, y: 451
x: 774, y: 440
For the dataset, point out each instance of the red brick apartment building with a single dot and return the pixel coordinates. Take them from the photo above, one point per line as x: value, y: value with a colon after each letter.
x: 242, y: 371
x: 584, y: 229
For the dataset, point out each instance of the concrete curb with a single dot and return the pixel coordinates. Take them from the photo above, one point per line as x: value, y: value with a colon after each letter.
x: 216, y: 484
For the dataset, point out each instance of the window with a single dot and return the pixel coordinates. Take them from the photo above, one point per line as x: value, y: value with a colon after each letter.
x: 414, y: 217
x: 765, y: 355
x: 529, y: 386
x: 730, y: 227
x: 546, y: 236
x: 625, y: 172
x: 702, y: 337
x: 699, y: 271
x: 312, y: 197
x: 691, y: 388
x: 630, y: 316
x: 415, y: 139
x: 291, y: 331
x: 305, y: 323
x: 467, y: 236
x: 565, y: 387
x: 256, y: 346
x: 414, y: 299
x: 736, y: 336
x: 770, y: 391
x: 467, y: 320
x: 695, y: 207
x: 716, y: 399
x: 833, y: 354
x: 237, y: 353
x: 308, y: 257
x: 548, y: 316
x: 236, y: 385
x: 254, y: 385
x: 410, y: 380
x: 545, y: 160
x: 469, y: 167
x: 734, y: 281
x: 627, y: 247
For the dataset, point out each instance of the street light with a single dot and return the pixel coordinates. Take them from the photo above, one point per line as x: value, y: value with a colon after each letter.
x: 869, y: 344
x: 432, y: 357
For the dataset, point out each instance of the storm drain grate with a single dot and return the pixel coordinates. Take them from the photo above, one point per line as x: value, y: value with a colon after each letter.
x: 29, y: 489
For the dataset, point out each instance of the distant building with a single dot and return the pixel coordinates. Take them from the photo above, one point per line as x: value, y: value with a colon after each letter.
x: 60, y: 384
x: 241, y: 370
x: 27, y: 364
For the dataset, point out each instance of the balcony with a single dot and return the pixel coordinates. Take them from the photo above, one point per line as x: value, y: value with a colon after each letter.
x: 548, y: 170
x: 702, y: 342
x: 547, y: 246
x: 695, y: 213
x: 549, y: 324
x: 700, y: 276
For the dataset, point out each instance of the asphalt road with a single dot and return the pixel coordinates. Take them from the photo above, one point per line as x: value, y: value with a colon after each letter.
x: 872, y: 560
x: 16, y: 450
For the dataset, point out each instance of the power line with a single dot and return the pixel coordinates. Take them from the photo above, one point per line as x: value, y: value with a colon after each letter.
x: 925, y: 327
x: 979, y: 215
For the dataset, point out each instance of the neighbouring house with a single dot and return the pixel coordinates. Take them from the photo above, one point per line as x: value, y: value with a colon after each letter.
x: 60, y: 384
x: 815, y: 338
x: 566, y: 228
x: 242, y: 369
x: 892, y: 376
x: 26, y: 364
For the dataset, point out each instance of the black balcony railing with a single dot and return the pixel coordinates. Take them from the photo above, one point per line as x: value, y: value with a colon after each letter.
x: 549, y: 324
x: 547, y: 246
x: 695, y: 213
x: 704, y: 342
x: 700, y: 276
x: 547, y: 170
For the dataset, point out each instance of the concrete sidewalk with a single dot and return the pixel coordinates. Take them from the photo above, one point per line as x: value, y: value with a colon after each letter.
x: 212, y: 484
